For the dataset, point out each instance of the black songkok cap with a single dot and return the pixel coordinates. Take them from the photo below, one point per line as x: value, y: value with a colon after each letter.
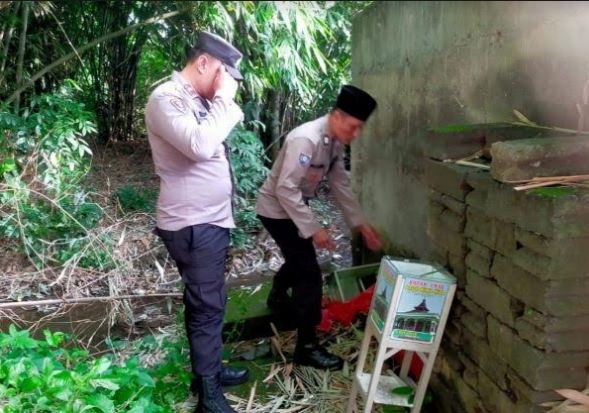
x: 355, y: 102
x: 221, y: 49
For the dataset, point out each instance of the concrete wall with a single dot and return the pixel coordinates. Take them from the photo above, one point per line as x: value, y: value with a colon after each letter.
x: 436, y: 63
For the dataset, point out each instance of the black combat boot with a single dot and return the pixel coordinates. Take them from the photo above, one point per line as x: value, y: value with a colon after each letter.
x: 314, y: 355
x: 210, y: 396
x: 230, y: 376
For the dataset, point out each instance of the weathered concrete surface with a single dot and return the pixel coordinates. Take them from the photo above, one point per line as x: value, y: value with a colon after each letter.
x: 529, y: 158
x: 437, y: 63
x: 460, y: 141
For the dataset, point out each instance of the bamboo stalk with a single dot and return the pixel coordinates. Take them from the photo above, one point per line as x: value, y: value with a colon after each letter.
x: 85, y: 300
x: 538, y: 185
x: 474, y: 164
x: 550, y: 178
x: 82, y: 49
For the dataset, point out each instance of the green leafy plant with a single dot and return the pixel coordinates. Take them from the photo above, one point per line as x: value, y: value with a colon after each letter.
x: 248, y: 163
x: 44, y: 157
x: 45, y: 376
x: 131, y: 199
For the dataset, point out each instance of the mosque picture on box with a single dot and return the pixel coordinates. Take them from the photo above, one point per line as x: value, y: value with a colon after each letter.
x: 382, y: 299
x: 419, y: 310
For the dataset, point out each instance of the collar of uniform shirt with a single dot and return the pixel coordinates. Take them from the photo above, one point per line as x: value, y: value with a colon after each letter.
x: 186, y: 86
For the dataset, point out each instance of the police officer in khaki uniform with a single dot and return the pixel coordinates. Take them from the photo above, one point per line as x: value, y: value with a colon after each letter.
x: 188, y: 119
x: 311, y: 152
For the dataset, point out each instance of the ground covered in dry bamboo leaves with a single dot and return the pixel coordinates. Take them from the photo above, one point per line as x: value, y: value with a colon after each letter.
x: 144, y: 268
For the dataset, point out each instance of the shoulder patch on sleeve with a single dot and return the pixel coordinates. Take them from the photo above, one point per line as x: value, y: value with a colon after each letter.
x: 304, y: 159
x: 178, y: 104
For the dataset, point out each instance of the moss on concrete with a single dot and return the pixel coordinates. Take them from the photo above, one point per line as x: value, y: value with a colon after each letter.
x: 247, y: 303
x: 556, y: 192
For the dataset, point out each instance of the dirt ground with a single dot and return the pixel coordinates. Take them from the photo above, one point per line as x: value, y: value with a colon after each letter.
x: 144, y: 265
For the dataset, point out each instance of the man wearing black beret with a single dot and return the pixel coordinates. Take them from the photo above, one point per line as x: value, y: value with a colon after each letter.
x: 310, y: 153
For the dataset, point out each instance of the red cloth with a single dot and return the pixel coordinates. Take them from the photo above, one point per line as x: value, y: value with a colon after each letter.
x: 344, y: 313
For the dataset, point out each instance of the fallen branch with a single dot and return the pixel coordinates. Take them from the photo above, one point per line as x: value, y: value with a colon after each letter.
x: 474, y: 164
x: 85, y: 300
x: 464, y: 162
x: 566, y: 178
x: 538, y: 185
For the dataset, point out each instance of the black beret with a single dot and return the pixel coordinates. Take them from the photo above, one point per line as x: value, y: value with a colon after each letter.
x: 355, y: 102
x: 220, y: 48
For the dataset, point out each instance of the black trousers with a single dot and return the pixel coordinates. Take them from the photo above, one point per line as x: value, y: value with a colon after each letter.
x: 300, y: 272
x: 200, y: 252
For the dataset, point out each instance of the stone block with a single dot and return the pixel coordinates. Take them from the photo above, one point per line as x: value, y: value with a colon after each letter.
x: 534, y: 241
x: 471, y: 306
x: 453, y: 332
x: 492, y: 397
x: 568, y: 257
x: 541, y: 370
x: 478, y: 263
x: 546, y: 268
x: 465, y: 398
x: 453, y: 142
x: 528, y: 158
x: 474, y: 325
x: 551, y: 324
x: 553, y: 342
x: 479, y: 351
x: 470, y: 371
x: 480, y: 249
x: 557, y: 213
x: 479, y: 228
x: 448, y: 218
x: 446, y: 178
x: 445, y: 400
x: 457, y: 267
x: 468, y: 396
x: 443, y: 236
x: 481, y: 180
x: 460, y: 141
x: 493, y: 298
x: 523, y: 391
x: 519, y: 283
x: 448, y: 202
x: 477, y: 198
x: 492, y: 233
x: 452, y: 220
x: 552, y: 212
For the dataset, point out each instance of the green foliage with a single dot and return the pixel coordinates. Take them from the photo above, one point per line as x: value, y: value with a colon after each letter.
x: 44, y: 376
x: 43, y: 157
x: 131, y: 199
x: 296, y: 54
x: 247, y: 160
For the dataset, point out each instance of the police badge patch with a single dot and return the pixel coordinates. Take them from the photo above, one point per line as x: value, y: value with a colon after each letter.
x: 304, y: 159
x: 178, y: 104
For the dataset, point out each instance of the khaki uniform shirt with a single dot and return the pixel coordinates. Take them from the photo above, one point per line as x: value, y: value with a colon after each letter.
x: 307, y: 156
x: 186, y: 134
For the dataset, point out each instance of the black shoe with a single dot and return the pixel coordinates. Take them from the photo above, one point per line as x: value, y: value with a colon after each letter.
x: 210, y: 396
x: 230, y: 376
x: 314, y: 355
x: 278, y: 300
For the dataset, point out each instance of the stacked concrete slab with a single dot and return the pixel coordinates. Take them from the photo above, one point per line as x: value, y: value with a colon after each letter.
x: 520, y: 324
